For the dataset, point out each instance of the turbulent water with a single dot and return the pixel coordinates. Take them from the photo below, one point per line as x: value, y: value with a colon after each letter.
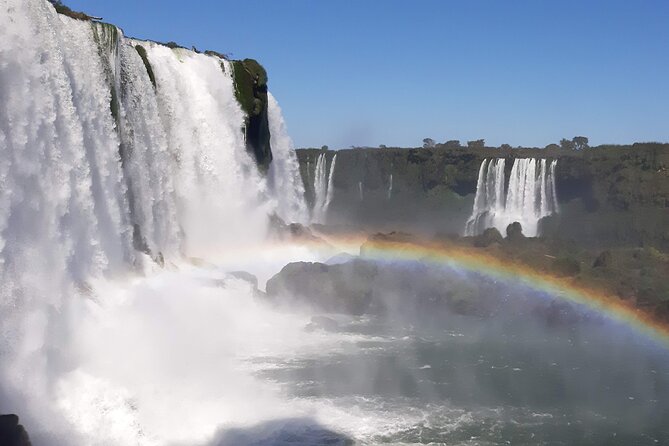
x: 530, y: 195
x: 126, y: 209
x: 105, y: 177
x: 284, y: 172
x: 323, y: 188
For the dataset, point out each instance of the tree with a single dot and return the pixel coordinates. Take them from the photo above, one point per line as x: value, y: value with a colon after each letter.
x: 428, y: 143
x: 452, y: 144
x: 383, y: 146
x: 476, y: 144
x: 506, y: 147
x: 324, y: 148
x: 551, y: 147
x: 565, y: 144
x: 580, y: 142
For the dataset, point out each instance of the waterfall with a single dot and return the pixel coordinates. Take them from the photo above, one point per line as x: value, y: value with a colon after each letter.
x: 530, y: 195
x: 330, y: 192
x: 99, y: 167
x: 360, y: 193
x: 284, y: 177
x: 389, y: 194
x: 323, y: 189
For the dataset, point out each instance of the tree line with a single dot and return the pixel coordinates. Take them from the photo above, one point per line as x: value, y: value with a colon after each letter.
x: 576, y: 143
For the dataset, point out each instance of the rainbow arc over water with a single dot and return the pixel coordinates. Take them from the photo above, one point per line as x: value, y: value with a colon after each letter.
x: 472, y: 259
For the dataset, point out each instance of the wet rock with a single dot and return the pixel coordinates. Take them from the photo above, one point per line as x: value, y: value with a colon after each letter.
x: 344, y: 288
x: 489, y: 237
x: 11, y: 432
x: 514, y: 232
x: 295, y: 232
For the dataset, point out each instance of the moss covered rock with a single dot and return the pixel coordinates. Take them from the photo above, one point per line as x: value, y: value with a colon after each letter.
x: 251, y: 92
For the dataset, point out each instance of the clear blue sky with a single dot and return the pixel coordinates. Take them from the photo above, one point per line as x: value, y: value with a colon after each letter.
x: 523, y: 72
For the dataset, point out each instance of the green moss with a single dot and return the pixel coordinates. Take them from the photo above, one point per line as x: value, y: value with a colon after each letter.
x: 217, y: 54
x: 145, y: 58
x: 173, y: 45
x: 64, y: 10
x: 251, y: 93
x: 565, y: 267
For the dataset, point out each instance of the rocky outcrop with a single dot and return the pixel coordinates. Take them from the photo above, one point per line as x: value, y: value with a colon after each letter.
x: 489, y: 237
x: 415, y: 291
x: 12, y: 433
x: 251, y: 91
x: 514, y: 232
x: 344, y: 288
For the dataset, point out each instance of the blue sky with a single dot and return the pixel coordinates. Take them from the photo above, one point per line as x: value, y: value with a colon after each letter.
x: 523, y: 72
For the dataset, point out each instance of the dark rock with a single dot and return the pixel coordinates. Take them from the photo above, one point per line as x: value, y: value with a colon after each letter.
x: 514, y: 232
x: 603, y: 260
x: 489, y: 236
x: 281, y: 230
x: 251, y: 92
x: 11, y: 432
x: 344, y: 288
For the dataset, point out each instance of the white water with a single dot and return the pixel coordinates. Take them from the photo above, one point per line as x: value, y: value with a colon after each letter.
x: 93, y: 352
x: 323, y: 187
x: 389, y: 193
x: 284, y: 177
x: 530, y: 195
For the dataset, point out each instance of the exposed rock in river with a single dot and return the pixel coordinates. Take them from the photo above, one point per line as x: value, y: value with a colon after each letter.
x: 12, y: 433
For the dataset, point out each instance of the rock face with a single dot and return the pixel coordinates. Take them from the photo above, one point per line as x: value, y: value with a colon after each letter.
x: 489, y: 237
x: 344, y: 288
x: 251, y: 92
x: 416, y: 291
x: 607, y: 194
x: 12, y: 433
x: 514, y: 232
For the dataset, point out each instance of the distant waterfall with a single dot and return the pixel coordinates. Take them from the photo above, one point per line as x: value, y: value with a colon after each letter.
x: 284, y: 177
x: 389, y: 193
x: 323, y: 189
x: 361, y: 195
x: 530, y: 195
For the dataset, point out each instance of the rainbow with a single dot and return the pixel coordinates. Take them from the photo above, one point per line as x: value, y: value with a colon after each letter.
x: 473, y: 260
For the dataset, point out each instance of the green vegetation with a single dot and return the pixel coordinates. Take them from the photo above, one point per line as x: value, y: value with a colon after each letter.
x: 428, y: 143
x: 64, y: 10
x: 250, y: 84
x: 145, y: 58
x: 251, y: 92
x: 173, y: 45
x: 217, y: 54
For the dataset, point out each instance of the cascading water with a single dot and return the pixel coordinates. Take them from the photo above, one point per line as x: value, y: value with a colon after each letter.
x: 97, y: 168
x: 99, y: 345
x: 530, y: 195
x: 284, y: 177
x: 389, y: 193
x: 323, y: 187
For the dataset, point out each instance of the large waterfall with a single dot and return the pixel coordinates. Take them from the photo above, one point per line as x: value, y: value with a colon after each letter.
x: 530, y: 195
x: 323, y: 188
x: 107, y: 172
